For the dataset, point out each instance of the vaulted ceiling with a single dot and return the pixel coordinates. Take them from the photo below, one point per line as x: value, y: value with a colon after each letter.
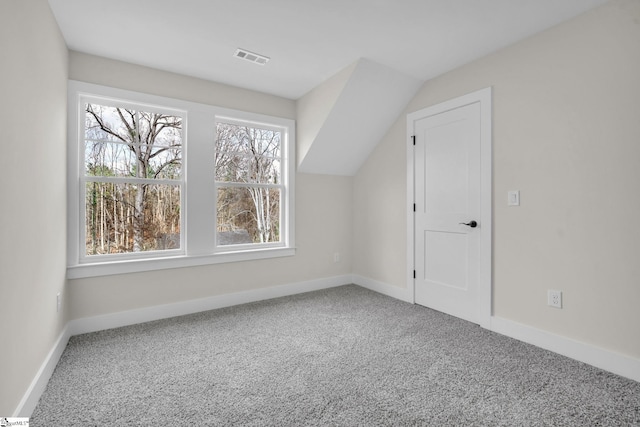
x: 379, y: 50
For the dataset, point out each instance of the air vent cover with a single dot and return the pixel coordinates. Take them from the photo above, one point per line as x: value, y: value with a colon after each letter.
x: 251, y: 57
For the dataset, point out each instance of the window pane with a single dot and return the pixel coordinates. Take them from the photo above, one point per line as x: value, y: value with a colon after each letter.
x: 160, y: 129
x: 164, y: 162
x: 248, y: 215
x: 106, y: 123
x: 108, y: 159
x: 248, y: 154
x: 125, y: 218
x: 149, y: 144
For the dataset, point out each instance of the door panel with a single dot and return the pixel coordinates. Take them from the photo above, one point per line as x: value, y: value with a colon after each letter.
x: 447, y: 193
x: 445, y: 261
x: 445, y: 164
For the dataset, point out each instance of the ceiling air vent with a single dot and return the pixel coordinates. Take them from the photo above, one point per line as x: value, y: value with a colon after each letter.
x: 251, y: 57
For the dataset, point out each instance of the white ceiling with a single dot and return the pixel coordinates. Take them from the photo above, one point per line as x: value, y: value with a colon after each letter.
x: 308, y: 41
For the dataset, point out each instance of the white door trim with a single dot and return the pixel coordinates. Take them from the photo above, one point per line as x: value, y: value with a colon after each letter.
x: 482, y: 96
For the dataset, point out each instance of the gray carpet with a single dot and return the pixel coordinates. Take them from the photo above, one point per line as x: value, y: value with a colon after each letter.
x: 339, y: 357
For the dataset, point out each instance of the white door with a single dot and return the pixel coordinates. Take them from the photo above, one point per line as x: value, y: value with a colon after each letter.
x: 447, y: 215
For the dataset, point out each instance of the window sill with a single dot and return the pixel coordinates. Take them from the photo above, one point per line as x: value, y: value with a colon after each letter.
x: 97, y: 269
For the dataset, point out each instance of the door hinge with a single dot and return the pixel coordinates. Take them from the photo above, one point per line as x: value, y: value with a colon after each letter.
x: 414, y: 274
x: 414, y: 207
x: 414, y: 139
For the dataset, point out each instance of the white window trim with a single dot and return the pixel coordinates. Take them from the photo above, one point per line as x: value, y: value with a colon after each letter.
x: 198, y: 235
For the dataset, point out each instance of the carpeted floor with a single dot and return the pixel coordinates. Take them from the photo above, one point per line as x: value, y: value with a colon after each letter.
x: 339, y: 357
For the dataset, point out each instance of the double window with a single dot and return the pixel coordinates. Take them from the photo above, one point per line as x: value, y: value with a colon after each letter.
x: 160, y: 183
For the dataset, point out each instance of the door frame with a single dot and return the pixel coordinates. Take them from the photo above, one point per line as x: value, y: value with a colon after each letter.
x: 484, y: 97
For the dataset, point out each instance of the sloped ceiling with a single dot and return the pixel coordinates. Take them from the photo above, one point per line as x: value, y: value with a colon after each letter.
x: 343, y: 119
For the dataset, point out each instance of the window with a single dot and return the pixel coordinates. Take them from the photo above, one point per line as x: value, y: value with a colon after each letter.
x: 160, y: 183
x: 248, y: 167
x: 132, y: 178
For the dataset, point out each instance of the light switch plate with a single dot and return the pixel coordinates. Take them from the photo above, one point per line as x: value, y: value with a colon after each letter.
x: 513, y: 198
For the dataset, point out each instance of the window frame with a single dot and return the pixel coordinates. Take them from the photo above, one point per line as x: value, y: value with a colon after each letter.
x: 198, y: 237
x: 282, y: 186
x: 84, y: 179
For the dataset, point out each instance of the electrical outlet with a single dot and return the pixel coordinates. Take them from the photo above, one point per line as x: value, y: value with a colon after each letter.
x: 336, y: 257
x: 58, y: 302
x: 554, y: 298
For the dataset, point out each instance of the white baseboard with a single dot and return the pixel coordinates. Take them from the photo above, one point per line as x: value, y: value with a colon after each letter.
x: 39, y: 383
x: 608, y: 360
x: 383, y: 288
x: 147, y: 314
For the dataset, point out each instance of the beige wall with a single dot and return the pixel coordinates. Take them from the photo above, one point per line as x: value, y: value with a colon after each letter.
x: 380, y: 206
x: 323, y: 209
x: 566, y: 133
x: 33, y: 82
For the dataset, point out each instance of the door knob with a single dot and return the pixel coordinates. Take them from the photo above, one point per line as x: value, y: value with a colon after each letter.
x: 471, y: 224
